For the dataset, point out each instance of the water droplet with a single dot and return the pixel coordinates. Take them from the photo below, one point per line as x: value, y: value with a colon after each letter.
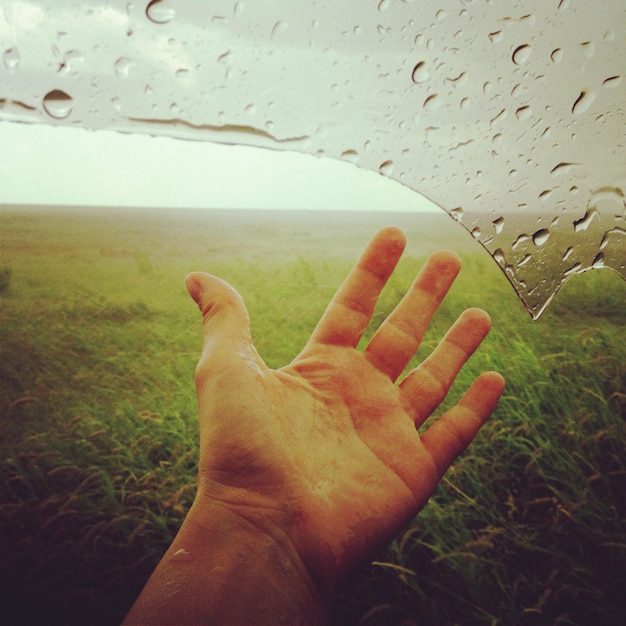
x: 572, y: 270
x: 182, y: 73
x: 557, y: 55
x: 278, y: 28
x: 609, y: 36
x: 545, y: 194
x: 612, y: 81
x: 476, y: 233
x: 495, y: 36
x: 598, y: 261
x: 523, y: 113
x: 588, y: 49
x: 122, y: 66
x: 561, y: 168
x: 350, y: 155
x: 498, y: 255
x: 584, y: 222
x: 181, y: 556
x: 498, y: 224
x: 568, y: 253
x: 160, y: 11
x: 457, y: 80
x: 520, y: 240
x: 583, y: 102
x: 525, y: 259
x: 11, y: 59
x: 386, y: 168
x: 541, y: 236
x: 457, y: 213
x: 69, y: 60
x: 57, y: 104
x: 521, y: 54
x: 420, y: 73
x: 383, y: 5
x: 432, y: 102
x: 239, y: 8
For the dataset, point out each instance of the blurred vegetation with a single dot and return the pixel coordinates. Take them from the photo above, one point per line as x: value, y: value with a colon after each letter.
x: 98, y: 421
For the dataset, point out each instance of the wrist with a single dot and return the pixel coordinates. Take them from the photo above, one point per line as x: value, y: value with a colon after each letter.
x: 252, y: 561
x: 229, y: 567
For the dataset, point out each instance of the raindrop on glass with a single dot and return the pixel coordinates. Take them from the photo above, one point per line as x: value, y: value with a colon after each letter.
x: 498, y: 224
x: 521, y: 54
x: 583, y: 102
x: 457, y: 213
x: 599, y: 260
x: 498, y: 255
x: 476, y: 233
x: 420, y: 73
x: 612, y: 81
x: 561, y: 168
x: 160, y: 11
x: 573, y: 270
x: 432, y: 102
x: 541, y: 236
x: 57, y: 104
x: 584, y: 222
x: 278, y: 28
x: 557, y: 55
x: 122, y: 66
x: 350, y: 155
x: 11, y: 59
x: 386, y: 168
x: 523, y: 113
x: 588, y: 49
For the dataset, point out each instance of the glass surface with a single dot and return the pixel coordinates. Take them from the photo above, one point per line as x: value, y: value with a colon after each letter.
x: 508, y: 115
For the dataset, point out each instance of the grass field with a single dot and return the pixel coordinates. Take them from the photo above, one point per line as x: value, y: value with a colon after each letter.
x: 98, y: 449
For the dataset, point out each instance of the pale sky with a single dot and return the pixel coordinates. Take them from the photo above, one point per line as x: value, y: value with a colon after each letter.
x: 44, y: 164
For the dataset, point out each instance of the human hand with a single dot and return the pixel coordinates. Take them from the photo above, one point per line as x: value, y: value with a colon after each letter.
x: 323, y: 455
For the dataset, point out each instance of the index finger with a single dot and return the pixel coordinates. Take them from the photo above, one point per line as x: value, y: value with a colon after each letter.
x: 349, y: 312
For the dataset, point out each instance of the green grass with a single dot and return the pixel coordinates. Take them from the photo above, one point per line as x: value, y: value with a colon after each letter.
x: 98, y: 419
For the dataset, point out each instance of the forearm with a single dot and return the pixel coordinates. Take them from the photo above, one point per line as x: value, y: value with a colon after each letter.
x: 226, y: 570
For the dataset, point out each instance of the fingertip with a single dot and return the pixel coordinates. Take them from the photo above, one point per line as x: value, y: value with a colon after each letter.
x: 193, y: 283
x: 486, y: 392
x: 393, y: 239
x: 393, y: 233
x: 446, y: 258
x: 477, y: 317
x: 494, y: 380
x: 439, y: 271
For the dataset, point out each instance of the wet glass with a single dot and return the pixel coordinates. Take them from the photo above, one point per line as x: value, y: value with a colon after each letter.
x: 508, y: 115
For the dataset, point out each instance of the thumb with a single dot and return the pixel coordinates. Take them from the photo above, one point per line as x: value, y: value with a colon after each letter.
x: 225, y: 319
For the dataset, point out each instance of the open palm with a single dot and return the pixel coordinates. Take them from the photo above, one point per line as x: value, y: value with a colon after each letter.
x: 325, y: 451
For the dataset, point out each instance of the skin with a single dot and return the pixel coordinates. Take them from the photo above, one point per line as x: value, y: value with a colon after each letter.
x: 306, y: 472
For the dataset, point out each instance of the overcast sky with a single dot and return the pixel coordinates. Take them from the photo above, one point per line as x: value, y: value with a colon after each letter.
x: 70, y: 166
